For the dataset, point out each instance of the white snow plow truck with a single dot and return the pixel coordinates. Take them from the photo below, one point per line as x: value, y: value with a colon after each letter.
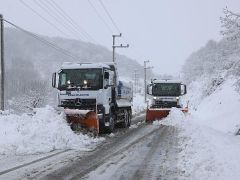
x: 163, y: 95
x: 92, y: 96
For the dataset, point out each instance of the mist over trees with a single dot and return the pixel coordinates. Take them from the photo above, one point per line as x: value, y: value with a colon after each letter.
x: 30, y: 64
x: 217, y: 61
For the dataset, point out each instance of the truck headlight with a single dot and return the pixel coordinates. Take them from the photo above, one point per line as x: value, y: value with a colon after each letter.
x: 152, y: 101
x: 177, y: 98
x: 154, y: 98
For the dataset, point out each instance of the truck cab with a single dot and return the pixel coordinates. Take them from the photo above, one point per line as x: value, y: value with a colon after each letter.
x: 164, y: 95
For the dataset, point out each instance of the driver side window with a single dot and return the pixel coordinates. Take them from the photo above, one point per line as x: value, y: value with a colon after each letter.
x: 63, y: 79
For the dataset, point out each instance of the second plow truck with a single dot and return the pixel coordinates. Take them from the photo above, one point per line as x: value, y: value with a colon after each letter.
x: 92, y: 96
x: 163, y: 95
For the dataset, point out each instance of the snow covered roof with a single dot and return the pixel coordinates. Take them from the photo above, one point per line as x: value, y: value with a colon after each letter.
x: 110, y: 63
x: 166, y: 81
x: 70, y: 65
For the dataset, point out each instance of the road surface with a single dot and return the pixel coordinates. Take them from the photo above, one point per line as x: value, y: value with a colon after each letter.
x: 143, y: 151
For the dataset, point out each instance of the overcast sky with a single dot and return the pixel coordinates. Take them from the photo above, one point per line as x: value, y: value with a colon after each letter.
x: 165, y: 32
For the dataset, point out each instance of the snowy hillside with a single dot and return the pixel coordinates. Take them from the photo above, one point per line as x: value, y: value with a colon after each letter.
x: 213, y: 78
x: 218, y: 110
x: 22, y: 48
x: 213, y: 95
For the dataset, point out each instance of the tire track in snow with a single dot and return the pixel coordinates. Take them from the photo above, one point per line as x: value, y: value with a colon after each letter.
x: 33, y: 162
x: 161, y: 160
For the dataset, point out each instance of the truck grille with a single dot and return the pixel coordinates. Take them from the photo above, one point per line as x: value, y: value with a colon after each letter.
x: 79, y: 103
x: 164, y: 104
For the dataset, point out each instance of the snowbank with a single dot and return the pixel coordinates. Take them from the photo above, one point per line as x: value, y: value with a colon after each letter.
x: 205, y: 153
x: 138, y: 103
x: 42, y: 132
x: 219, y: 110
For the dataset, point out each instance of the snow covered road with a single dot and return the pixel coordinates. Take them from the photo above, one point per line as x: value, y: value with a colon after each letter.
x: 153, y: 157
x: 146, y: 151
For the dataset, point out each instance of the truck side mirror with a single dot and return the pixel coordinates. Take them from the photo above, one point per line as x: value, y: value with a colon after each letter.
x: 106, y: 75
x: 54, y: 75
x: 183, y: 89
x: 149, y: 89
x: 106, y: 80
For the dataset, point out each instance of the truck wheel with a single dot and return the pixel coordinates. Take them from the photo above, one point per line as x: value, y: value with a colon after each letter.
x: 111, y: 127
x: 124, y: 124
x: 129, y: 118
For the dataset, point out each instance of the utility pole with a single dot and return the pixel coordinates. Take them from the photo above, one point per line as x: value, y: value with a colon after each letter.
x: 135, y: 79
x: 114, y: 46
x: 2, y: 63
x: 145, y: 79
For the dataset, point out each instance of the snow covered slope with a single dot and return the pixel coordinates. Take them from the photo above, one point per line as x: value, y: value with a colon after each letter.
x: 205, y: 153
x: 220, y: 109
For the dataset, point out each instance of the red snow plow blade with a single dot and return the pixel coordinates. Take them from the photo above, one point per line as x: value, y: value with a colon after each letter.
x: 158, y: 113
x: 83, y: 120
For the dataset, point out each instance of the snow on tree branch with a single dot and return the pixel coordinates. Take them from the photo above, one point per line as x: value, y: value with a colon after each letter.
x: 231, y: 24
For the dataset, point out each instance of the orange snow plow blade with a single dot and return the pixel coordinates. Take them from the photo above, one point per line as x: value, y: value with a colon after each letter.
x: 158, y: 114
x: 83, y: 120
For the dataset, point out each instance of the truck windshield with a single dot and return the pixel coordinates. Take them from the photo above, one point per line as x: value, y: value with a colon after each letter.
x: 83, y: 79
x: 166, y: 89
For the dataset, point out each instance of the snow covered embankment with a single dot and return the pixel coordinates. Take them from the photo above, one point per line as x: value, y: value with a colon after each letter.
x: 209, y: 147
x: 45, y: 131
x: 219, y: 110
x: 205, y: 152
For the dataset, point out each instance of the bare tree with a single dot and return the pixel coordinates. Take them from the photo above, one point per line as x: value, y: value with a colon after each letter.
x: 34, y: 95
x: 231, y: 24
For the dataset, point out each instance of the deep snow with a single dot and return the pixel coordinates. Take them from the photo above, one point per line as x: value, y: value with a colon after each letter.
x: 220, y: 110
x: 206, y: 153
x: 43, y: 131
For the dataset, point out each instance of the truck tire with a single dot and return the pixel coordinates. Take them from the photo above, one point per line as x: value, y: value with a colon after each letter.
x: 111, y: 127
x: 129, y: 117
x: 124, y: 124
x: 102, y: 121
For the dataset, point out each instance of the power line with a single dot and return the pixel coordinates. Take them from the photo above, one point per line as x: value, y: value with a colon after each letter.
x: 49, y: 12
x: 70, y: 20
x: 109, y: 15
x: 26, y: 5
x: 111, y: 18
x: 61, y: 17
x: 44, y: 41
x: 100, y: 17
